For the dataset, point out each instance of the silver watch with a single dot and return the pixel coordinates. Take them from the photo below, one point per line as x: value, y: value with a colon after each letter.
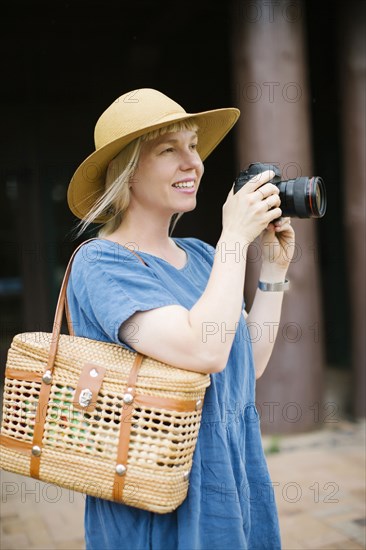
x: 274, y: 287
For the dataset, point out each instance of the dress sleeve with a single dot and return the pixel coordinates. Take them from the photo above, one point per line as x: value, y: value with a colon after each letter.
x: 110, y: 284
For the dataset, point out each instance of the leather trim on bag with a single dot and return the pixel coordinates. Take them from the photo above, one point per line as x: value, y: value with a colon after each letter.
x: 165, y: 403
x: 23, y: 447
x: 70, y: 328
x: 43, y: 400
x: 91, y: 378
x: 125, y: 431
x: 16, y: 374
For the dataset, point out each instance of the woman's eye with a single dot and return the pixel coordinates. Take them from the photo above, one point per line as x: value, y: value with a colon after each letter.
x: 192, y: 146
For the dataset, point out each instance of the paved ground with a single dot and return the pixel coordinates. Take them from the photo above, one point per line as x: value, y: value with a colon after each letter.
x: 319, y: 481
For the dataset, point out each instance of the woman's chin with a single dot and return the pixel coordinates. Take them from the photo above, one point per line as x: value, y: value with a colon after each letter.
x: 187, y: 207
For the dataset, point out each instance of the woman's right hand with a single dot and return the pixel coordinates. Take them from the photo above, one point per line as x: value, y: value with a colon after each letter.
x: 249, y: 211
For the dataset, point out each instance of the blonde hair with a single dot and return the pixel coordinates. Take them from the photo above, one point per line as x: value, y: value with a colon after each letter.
x: 116, y: 196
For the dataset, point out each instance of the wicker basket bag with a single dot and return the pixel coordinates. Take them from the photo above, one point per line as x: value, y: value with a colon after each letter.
x: 99, y: 419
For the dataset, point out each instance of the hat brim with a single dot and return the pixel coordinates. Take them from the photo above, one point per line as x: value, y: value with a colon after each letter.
x: 87, y: 183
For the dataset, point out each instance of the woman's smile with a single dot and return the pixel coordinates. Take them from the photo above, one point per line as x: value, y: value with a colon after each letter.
x: 185, y: 186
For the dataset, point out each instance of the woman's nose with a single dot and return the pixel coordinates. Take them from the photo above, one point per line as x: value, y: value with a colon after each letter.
x: 191, y: 160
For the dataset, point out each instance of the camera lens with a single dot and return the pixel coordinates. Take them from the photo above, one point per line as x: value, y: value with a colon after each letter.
x: 317, y: 197
x: 303, y: 197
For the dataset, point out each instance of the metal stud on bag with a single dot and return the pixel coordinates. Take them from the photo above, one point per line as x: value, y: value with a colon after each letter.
x: 199, y: 404
x: 85, y: 397
x: 36, y: 450
x: 128, y: 398
x: 47, y: 377
x: 121, y: 469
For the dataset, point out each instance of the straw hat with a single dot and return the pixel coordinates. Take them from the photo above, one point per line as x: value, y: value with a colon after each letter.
x: 130, y: 116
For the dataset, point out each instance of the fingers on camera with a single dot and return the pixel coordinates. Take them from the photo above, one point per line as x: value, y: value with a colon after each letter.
x: 259, y: 180
x: 267, y: 190
x: 274, y: 213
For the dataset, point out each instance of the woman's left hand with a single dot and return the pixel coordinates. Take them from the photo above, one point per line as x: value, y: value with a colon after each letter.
x: 278, y: 244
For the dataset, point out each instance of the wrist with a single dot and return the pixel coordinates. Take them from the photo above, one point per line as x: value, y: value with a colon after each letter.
x: 232, y: 245
x: 272, y: 274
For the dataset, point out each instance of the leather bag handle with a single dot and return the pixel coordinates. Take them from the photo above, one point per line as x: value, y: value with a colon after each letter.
x: 45, y: 390
x: 62, y: 307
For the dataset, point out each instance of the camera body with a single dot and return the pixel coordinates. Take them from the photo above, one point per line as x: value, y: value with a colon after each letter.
x: 303, y: 197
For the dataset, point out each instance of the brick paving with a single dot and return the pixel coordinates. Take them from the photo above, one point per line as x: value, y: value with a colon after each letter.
x: 318, y: 478
x: 319, y: 483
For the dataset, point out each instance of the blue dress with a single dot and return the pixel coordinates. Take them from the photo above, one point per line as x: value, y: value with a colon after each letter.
x: 230, y: 502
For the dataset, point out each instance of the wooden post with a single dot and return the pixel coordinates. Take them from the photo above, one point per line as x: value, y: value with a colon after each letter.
x: 271, y: 89
x: 352, y: 32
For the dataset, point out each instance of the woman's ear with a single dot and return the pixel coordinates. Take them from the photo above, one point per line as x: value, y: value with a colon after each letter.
x: 132, y: 179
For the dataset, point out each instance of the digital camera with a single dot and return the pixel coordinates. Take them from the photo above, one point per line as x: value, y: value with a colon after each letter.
x: 303, y: 197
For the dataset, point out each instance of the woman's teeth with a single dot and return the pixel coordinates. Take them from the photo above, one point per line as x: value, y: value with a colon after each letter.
x: 184, y: 184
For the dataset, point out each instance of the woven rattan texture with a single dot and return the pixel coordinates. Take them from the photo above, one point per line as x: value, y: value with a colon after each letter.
x: 74, y: 352
x: 80, y: 445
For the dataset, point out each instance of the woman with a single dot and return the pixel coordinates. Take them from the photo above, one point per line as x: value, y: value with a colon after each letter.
x: 184, y: 306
